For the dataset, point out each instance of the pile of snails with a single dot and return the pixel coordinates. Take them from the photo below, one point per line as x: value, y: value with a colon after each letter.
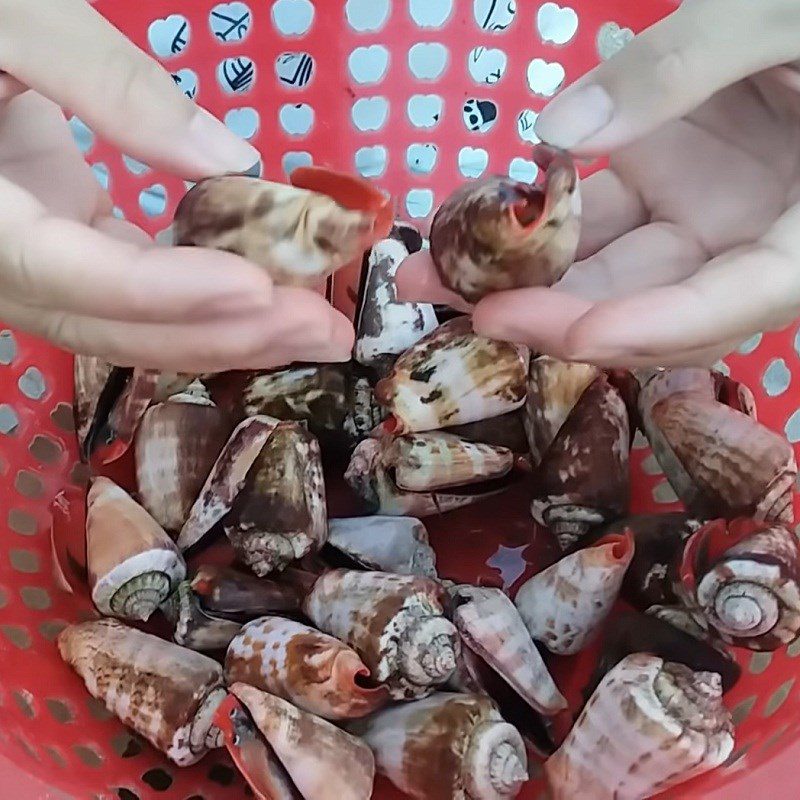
x: 328, y: 650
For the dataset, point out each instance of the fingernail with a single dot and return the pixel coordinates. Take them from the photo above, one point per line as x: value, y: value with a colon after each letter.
x: 575, y: 116
x: 222, y: 148
x: 254, y: 171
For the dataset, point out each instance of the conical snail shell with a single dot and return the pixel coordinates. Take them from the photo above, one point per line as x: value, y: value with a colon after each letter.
x: 90, y: 376
x: 491, y: 627
x: 447, y: 747
x: 280, y: 514
x: 308, y: 668
x: 648, y: 726
x: 495, y: 233
x: 563, y: 605
x: 195, y: 628
x: 386, y: 544
x: 507, y: 430
x: 385, y: 327
x: 744, y: 578
x: 133, y: 565
x: 430, y: 461
x: 177, y: 444
x: 452, y: 376
x: 324, y: 762
x: 166, y: 693
x: 395, y: 623
x: 279, y: 227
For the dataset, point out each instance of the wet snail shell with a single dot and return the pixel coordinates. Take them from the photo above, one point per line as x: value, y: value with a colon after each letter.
x: 661, y: 724
x: 495, y: 233
x: 166, y: 693
x: 133, y: 565
x: 312, y: 670
x: 195, y: 628
x: 395, y: 623
x: 743, y: 578
x: 447, y: 747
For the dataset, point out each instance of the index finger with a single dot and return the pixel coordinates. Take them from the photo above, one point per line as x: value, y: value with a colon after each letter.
x: 417, y: 281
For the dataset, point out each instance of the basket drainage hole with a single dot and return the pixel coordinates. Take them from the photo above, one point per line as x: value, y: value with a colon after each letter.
x: 169, y: 36
x: 127, y: 794
x: 8, y: 348
x: 222, y: 775
x: 230, y: 22
x: 158, y: 779
x: 293, y: 17
x: 492, y: 16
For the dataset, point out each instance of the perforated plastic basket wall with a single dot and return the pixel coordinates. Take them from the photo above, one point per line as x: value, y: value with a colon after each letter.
x: 418, y: 94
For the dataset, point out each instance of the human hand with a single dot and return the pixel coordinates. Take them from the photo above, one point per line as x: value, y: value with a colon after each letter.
x: 691, y: 238
x: 94, y: 284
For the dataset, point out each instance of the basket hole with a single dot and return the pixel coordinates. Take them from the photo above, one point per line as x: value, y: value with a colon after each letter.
x: 24, y: 700
x: 25, y: 561
x: 368, y: 64
x: 737, y: 755
x: 793, y: 650
x: 370, y: 113
x: 56, y: 756
x: 778, y: 698
x: 493, y: 16
x: 419, y: 203
x: 776, y: 377
x: 430, y: 13
x: 479, y: 115
x: 26, y: 746
x: 425, y: 110
x: 664, y: 493
x: 82, y: 134
x: 751, y: 344
x: 741, y: 711
x: 80, y: 474
x: 126, y: 794
x: 3, y: 597
x: 759, y: 663
x: 134, y: 167
x: 296, y: 119
x: 236, y: 75
x: 221, y: 774
x: 792, y: 427
x: 127, y: 746
x: 158, y: 779
x: 32, y: 384
x: 367, y: 15
x: 35, y: 598
x: 293, y: 17
x: 472, y: 161
x: 153, y: 200
x: 45, y: 449
x: 60, y: 710
x: 244, y: 122
x: 487, y: 64
x: 169, y: 36
x: 28, y: 484
x: 9, y: 421
x: 294, y: 159
x: 186, y: 81
x: 17, y: 635
x: 523, y: 170
x: 371, y: 161
x: 21, y: 522
x: 294, y: 70
x: 421, y: 158
x: 526, y: 126
x: 88, y: 755
x: 51, y: 628
x: 101, y: 174
x: 63, y: 417
x: 97, y: 709
x: 556, y: 24
x: 8, y: 348
x: 230, y: 22
x: 650, y: 466
x: 611, y: 38
x: 427, y: 60
x: 545, y: 78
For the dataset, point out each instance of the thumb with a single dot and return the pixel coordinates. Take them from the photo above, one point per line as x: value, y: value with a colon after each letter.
x: 669, y: 70
x: 69, y: 53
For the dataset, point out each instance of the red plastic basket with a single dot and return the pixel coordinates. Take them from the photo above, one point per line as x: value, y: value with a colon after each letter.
x: 379, y: 86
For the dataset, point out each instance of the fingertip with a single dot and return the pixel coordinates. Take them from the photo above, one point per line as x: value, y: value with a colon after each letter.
x: 413, y: 276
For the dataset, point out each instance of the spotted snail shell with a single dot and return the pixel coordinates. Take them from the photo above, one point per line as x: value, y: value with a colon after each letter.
x: 719, y: 460
x: 578, y: 428
x: 452, y: 376
x: 133, y: 565
x: 649, y: 725
x: 563, y: 605
x: 447, y: 747
x: 300, y: 237
x: 743, y: 579
x: 310, y: 669
x: 320, y: 761
x: 166, y: 693
x: 496, y: 233
x: 177, y: 443
x: 395, y: 623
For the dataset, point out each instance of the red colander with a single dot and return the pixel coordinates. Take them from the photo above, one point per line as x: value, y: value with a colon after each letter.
x: 419, y: 95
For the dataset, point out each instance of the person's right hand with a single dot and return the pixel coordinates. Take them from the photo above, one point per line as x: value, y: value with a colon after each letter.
x: 691, y: 238
x: 93, y: 284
